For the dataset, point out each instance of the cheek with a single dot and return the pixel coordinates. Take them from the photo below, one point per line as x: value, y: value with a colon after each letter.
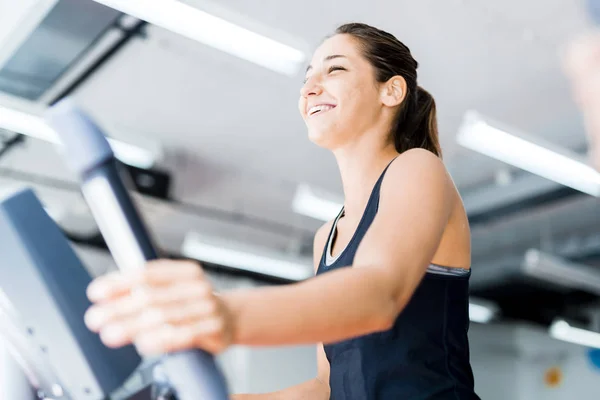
x: 302, y: 106
x: 355, y: 91
x: 360, y: 103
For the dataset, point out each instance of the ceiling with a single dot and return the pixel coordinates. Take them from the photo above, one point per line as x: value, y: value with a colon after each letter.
x: 236, y: 148
x: 492, y: 58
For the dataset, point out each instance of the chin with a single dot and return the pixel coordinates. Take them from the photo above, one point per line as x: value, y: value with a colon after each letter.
x: 322, y: 138
x: 317, y: 139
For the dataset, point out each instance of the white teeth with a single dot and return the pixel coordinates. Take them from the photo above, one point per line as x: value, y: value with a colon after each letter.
x: 316, y: 109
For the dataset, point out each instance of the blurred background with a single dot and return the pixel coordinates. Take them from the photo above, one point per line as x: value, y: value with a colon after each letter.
x: 199, y: 99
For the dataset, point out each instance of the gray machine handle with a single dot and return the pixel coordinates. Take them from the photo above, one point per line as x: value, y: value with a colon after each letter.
x: 193, y: 374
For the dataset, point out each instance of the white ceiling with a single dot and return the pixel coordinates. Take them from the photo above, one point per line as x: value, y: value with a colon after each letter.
x: 500, y: 58
x: 232, y: 135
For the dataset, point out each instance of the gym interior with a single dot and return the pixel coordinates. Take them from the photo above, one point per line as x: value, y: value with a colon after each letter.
x: 221, y: 170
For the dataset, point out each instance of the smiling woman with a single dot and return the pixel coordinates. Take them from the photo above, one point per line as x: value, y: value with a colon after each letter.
x: 388, y: 308
x: 337, y: 73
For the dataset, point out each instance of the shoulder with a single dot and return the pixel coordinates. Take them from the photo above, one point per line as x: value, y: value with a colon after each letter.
x: 418, y: 161
x: 417, y: 172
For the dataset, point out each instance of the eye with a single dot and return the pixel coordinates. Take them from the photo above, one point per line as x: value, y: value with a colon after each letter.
x: 335, y: 68
x: 331, y: 69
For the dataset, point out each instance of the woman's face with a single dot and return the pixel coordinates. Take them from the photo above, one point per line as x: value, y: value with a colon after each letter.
x: 340, y: 98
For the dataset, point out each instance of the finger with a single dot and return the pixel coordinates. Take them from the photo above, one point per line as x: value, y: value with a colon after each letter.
x: 98, y: 316
x: 160, y: 272
x: 205, y: 334
x: 110, y: 286
x: 122, y: 332
x: 146, y: 298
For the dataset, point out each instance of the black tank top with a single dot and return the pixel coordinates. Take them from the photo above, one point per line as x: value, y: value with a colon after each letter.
x: 424, y: 356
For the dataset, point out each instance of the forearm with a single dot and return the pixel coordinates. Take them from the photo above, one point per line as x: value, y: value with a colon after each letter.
x: 309, y: 390
x: 330, y: 307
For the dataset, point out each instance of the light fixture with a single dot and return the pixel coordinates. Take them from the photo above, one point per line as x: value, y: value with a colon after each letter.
x: 32, y: 125
x: 482, y: 311
x: 528, y: 153
x: 561, y: 272
x: 306, y: 202
x: 243, y: 257
x: 560, y: 329
x: 213, y: 31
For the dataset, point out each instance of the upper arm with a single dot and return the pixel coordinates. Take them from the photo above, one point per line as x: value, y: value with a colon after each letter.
x: 416, y: 202
x: 318, y: 246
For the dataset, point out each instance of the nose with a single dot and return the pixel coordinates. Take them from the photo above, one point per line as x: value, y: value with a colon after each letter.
x: 312, y: 87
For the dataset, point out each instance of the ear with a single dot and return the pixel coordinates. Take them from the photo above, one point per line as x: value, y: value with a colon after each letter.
x: 393, y: 91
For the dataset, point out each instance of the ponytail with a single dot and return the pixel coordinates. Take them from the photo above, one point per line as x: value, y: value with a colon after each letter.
x: 416, y: 122
x: 416, y: 126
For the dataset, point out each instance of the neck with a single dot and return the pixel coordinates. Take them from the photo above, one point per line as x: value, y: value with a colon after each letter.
x: 361, y: 163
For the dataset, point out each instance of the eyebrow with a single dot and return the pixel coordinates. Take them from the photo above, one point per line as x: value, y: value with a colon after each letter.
x: 328, y: 58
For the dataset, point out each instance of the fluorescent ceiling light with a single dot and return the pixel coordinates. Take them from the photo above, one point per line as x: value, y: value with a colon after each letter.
x: 528, y: 153
x: 561, y: 330
x: 306, y: 202
x: 482, y: 311
x: 213, y: 31
x: 245, y: 258
x: 561, y: 272
x: 32, y: 125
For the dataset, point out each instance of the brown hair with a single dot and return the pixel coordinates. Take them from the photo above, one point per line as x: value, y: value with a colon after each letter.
x: 416, y: 123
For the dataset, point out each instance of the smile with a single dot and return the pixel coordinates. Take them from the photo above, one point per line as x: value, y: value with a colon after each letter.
x: 320, y: 109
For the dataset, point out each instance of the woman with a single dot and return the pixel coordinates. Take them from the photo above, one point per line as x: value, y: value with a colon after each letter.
x: 394, y: 326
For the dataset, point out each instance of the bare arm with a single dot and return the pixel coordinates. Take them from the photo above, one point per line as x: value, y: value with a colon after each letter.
x: 414, y: 210
x: 416, y: 200
x: 309, y: 390
x: 317, y: 388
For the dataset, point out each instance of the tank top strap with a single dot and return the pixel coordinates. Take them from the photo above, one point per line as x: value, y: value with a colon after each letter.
x: 369, y: 212
x: 363, y: 225
x: 377, y: 188
x: 373, y: 202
